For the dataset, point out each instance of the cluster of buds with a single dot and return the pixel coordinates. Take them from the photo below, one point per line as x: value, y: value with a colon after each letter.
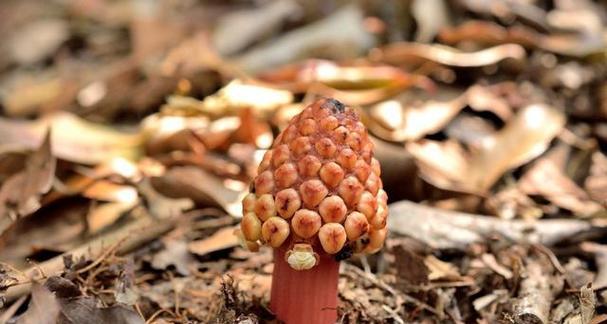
x: 318, y: 189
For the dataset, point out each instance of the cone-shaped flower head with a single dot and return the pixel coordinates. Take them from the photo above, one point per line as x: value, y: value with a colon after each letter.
x: 318, y: 189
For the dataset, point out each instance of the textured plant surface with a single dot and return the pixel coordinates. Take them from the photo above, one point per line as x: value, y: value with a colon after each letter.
x: 318, y: 189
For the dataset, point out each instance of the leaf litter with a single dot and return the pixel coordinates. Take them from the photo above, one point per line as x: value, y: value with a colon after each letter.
x: 129, y: 134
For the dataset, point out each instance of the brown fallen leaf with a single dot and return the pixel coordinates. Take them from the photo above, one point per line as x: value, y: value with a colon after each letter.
x: 220, y: 240
x: 38, y: 177
x: 20, y: 194
x: 547, y: 179
x: 441, y: 270
x: 411, y: 266
x: 414, y: 114
x: 345, y: 76
x: 161, y: 206
x: 103, y: 215
x: 73, y: 138
x: 448, y: 166
x: 202, y: 187
x: 407, y: 53
x: 489, y: 33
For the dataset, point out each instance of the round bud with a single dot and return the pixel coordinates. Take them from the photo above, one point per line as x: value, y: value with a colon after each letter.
x: 332, y: 209
x: 306, y: 223
x: 356, y: 225
x: 312, y: 192
x: 379, y: 220
x: 275, y: 231
x: 280, y: 155
x: 376, y: 240
x: 332, y: 237
x: 329, y: 123
x: 264, y: 183
x: 264, y: 207
x: 331, y: 174
x: 248, y: 203
x: 308, y: 166
x: 350, y: 190
x: 250, y: 226
x: 285, y: 175
x: 367, y: 204
x: 287, y: 202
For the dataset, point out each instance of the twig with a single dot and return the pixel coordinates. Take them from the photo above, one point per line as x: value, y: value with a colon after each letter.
x: 131, y: 236
x: 536, y: 295
x: 443, y: 229
x: 553, y: 259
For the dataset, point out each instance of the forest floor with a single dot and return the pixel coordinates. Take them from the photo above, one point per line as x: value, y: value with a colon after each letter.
x: 130, y: 131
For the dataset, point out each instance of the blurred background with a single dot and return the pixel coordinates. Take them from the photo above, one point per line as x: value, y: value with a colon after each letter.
x: 130, y: 129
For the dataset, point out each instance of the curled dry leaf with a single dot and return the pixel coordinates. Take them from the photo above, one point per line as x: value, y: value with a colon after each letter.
x: 409, y: 53
x: 439, y: 269
x: 238, y: 95
x: 489, y: 33
x: 545, y: 178
x: 339, y: 36
x: 417, y: 113
x: 448, y: 166
x: 352, y: 84
x: 220, y: 240
x: 299, y: 77
x: 442, y: 229
x: 93, y: 144
x: 202, y: 187
x: 20, y: 194
x: 414, y: 114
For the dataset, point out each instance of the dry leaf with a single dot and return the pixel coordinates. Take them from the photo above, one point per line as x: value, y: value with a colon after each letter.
x: 525, y: 136
x: 72, y: 139
x: 200, y: 186
x: 220, y: 240
x: 20, y: 194
x: 414, y: 114
x: 545, y: 178
x: 103, y: 215
x: 407, y: 53
x: 439, y: 269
